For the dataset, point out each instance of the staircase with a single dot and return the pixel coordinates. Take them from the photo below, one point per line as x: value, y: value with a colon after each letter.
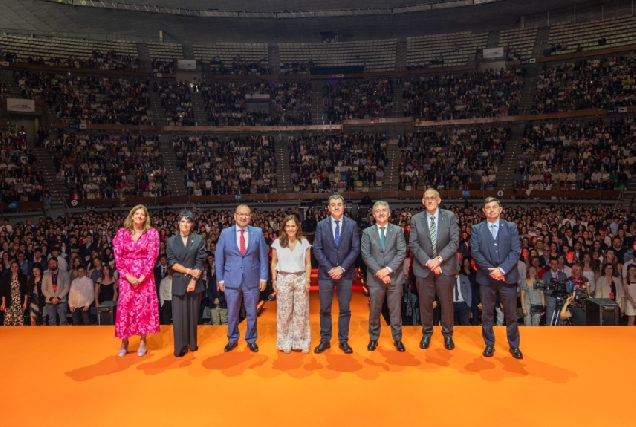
x: 493, y: 40
x: 541, y: 42
x: 158, y: 112
x: 13, y: 91
x: 391, y: 177
x: 283, y: 174
x: 316, y: 103
x: 53, y: 182
x: 144, y: 57
x: 198, y: 108
x: 529, y: 88
x: 505, y: 174
x: 273, y: 58
x: 630, y: 190
x: 401, y: 59
x: 398, y: 100
x: 174, y: 174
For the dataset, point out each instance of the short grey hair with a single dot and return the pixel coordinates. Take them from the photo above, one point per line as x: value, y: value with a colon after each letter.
x: 431, y: 190
x: 336, y: 197
x: 380, y: 203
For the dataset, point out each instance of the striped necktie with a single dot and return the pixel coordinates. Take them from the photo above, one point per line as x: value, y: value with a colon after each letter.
x: 433, y: 229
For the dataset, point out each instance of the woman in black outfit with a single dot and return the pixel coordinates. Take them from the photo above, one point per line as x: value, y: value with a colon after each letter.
x: 36, y: 300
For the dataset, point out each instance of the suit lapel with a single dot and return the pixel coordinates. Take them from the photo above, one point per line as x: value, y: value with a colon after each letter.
x: 375, y: 236
x: 427, y: 231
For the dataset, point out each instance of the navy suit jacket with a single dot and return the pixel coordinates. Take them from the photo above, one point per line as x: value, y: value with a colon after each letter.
x: 502, y: 253
x: 232, y: 268
x: 330, y: 256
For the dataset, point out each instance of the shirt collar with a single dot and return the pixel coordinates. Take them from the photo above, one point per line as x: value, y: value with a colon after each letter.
x: 429, y: 215
x: 339, y: 219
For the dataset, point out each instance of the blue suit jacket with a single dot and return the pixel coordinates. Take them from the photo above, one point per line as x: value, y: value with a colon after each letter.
x: 232, y: 268
x: 330, y: 256
x: 502, y: 253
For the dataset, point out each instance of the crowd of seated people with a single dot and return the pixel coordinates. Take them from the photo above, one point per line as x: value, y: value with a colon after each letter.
x: 574, y: 155
x: 110, y: 60
x: 339, y: 162
x: 490, y: 93
x: 452, y: 158
x: 257, y: 104
x: 109, y: 166
x: 586, y: 84
x: 581, y: 241
x: 230, y: 164
x: 163, y: 66
x: 76, y: 99
x: 357, y: 99
x: 239, y: 67
x: 20, y: 179
x: 176, y: 100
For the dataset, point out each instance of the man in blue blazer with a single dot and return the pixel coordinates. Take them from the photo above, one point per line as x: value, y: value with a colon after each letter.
x: 336, y: 247
x: 241, y: 270
x: 495, y: 249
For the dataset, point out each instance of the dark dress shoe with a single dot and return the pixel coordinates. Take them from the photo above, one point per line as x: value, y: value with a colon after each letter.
x: 489, y: 351
x: 398, y: 345
x: 344, y: 346
x: 181, y: 354
x: 448, y: 343
x: 372, y: 345
x: 195, y: 348
x: 230, y: 346
x: 426, y: 341
x: 516, y: 353
x: 324, y: 345
x: 252, y: 346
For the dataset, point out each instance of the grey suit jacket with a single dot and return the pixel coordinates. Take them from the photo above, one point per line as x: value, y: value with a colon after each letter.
x: 63, y: 285
x: 377, y: 258
x: 190, y: 256
x: 466, y: 289
x: 447, y: 243
x: 547, y: 277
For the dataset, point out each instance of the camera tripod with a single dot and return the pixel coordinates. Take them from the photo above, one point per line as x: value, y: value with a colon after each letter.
x: 556, y: 315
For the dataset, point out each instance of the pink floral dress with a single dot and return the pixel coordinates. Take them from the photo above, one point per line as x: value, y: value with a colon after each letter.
x: 137, y: 308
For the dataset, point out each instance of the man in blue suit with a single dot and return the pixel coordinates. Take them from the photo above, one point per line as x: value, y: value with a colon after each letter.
x: 495, y: 249
x: 241, y: 269
x: 336, y: 247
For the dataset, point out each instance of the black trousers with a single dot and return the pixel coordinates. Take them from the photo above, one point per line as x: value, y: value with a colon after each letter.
x: 461, y: 310
x: 508, y: 296
x: 185, y: 317
x: 165, y: 313
x: 442, y: 286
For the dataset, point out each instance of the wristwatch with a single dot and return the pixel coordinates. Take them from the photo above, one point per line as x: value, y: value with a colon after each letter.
x: 440, y: 258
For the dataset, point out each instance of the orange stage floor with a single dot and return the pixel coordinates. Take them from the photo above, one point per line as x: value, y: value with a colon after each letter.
x: 72, y: 377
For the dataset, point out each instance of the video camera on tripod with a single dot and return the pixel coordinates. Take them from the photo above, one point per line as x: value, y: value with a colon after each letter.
x: 561, y: 290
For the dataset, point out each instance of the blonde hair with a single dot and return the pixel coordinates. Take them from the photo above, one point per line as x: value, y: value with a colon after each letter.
x: 283, y: 238
x: 129, y: 224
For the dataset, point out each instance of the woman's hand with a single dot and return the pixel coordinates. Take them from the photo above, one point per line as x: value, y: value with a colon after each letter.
x: 307, y: 286
x: 132, y: 280
x: 24, y: 305
x: 274, y: 285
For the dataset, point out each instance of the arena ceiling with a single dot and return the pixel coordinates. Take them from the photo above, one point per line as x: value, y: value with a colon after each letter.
x: 44, y: 16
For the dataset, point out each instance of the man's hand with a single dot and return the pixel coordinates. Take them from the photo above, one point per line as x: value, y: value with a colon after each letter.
x: 479, y: 306
x: 433, y: 263
x: 496, y: 273
x: 195, y: 273
x: 437, y: 270
x: 382, y: 273
x: 72, y: 309
x: 222, y: 287
x: 386, y: 280
x: 336, y: 273
x: 525, y: 311
x: 434, y: 304
x: 85, y: 308
x: 55, y: 300
x: 262, y: 285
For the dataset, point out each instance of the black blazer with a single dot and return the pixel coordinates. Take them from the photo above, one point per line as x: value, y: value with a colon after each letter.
x: 6, y: 288
x: 190, y: 256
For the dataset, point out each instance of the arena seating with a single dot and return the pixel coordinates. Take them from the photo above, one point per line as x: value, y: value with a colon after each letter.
x: 357, y: 99
x: 520, y: 42
x: 490, y: 93
x: 577, y: 154
x: 234, y: 58
x: 68, y: 52
x: 452, y: 158
x: 337, y: 162
x: 571, y: 37
x: 230, y: 164
x: 444, y: 50
x: 109, y: 166
x: 176, y: 100
x: 20, y: 179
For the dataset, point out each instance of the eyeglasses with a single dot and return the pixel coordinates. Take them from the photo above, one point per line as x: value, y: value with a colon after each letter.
x: 244, y: 215
x: 429, y: 198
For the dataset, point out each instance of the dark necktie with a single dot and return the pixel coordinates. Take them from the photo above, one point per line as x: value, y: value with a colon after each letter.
x: 242, y: 243
x: 163, y: 272
x: 337, y: 234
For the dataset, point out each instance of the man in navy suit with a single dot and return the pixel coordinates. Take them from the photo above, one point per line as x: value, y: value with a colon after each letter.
x: 336, y: 247
x: 495, y: 249
x: 241, y: 269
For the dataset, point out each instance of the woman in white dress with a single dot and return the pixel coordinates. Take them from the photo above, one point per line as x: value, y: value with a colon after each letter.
x: 291, y: 273
x: 590, y: 270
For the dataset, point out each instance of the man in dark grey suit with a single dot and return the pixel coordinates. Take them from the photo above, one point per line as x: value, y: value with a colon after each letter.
x: 552, y: 318
x: 434, y: 239
x: 383, y: 250
x: 186, y: 253
x: 336, y: 247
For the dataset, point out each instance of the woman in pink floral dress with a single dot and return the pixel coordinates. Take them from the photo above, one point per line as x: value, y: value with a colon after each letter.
x: 136, y: 248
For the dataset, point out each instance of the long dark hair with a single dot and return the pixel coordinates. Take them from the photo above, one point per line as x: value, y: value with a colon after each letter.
x: 283, y: 237
x: 31, y: 279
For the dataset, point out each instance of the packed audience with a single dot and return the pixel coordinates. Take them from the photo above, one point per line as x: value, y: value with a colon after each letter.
x: 581, y: 241
x: 88, y: 99
x: 491, y: 93
x: 109, y: 60
x: 257, y: 103
x: 357, y: 99
x: 176, y: 100
x: 20, y: 179
x: 343, y: 162
x: 108, y: 166
x: 230, y: 164
x: 577, y: 154
x: 586, y: 84
x: 452, y: 158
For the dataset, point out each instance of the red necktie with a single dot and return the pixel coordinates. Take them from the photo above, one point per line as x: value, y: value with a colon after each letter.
x: 242, y: 243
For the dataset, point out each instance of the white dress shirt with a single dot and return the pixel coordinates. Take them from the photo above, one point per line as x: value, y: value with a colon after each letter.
x: 165, y: 290
x: 333, y: 226
x: 82, y: 292
x: 246, y: 234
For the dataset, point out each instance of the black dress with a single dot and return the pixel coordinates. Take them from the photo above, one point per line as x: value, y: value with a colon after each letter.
x: 106, y: 292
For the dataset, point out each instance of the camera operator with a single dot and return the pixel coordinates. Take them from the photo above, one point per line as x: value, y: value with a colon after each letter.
x: 610, y: 286
x: 550, y: 301
x: 571, y: 310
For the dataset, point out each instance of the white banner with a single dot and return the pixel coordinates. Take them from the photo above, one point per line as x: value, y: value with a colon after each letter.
x: 187, y: 64
x: 21, y: 105
x: 495, y: 52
